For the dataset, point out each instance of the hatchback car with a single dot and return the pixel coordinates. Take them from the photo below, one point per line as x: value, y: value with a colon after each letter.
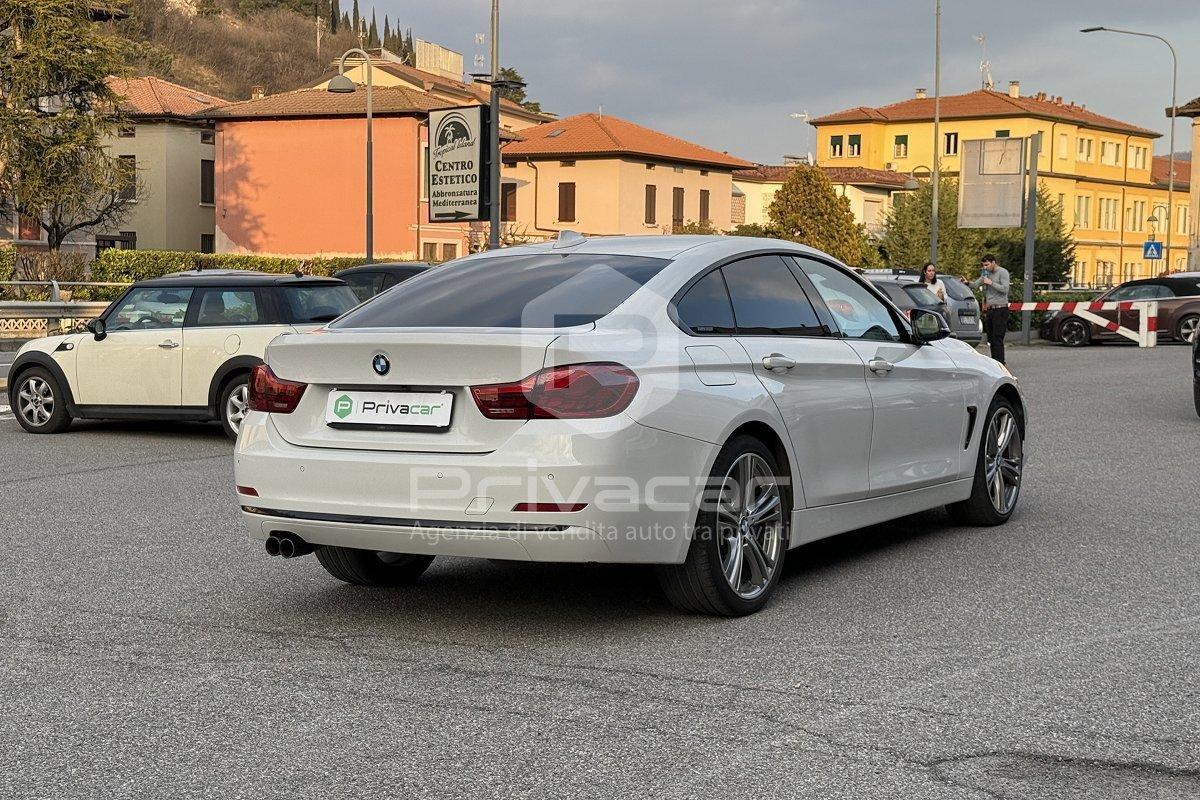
x: 177, y: 347
x: 1178, y: 312
x: 698, y: 403
x: 369, y: 280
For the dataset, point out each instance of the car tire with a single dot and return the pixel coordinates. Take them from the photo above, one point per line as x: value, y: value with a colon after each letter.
x: 1185, y: 329
x: 233, y: 404
x: 982, y: 507
x: 1196, y: 395
x: 1074, y: 332
x: 729, y: 541
x: 39, y: 403
x: 370, y: 568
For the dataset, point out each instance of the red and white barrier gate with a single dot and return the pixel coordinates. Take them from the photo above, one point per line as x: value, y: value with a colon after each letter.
x: 1146, y: 335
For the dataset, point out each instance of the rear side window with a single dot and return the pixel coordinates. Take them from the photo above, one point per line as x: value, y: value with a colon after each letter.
x: 228, y: 307
x: 543, y: 290
x: 768, y: 300
x: 922, y: 295
x: 319, y: 303
x: 705, y: 308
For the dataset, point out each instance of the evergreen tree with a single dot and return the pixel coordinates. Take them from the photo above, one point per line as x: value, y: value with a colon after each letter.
x: 345, y: 23
x: 356, y: 20
x: 335, y: 15
x: 516, y: 93
x: 387, y: 32
x: 806, y: 209
x: 373, y: 32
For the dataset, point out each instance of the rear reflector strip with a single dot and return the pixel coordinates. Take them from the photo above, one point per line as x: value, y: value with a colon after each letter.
x: 249, y: 491
x: 560, y: 507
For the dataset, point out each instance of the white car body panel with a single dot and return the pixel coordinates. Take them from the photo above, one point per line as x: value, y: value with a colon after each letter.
x: 206, y: 349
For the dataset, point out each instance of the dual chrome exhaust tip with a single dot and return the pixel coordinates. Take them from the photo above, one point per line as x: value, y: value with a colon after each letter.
x: 287, y: 545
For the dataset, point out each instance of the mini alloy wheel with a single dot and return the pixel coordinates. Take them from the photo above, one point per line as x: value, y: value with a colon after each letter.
x: 38, y: 402
x: 235, y: 402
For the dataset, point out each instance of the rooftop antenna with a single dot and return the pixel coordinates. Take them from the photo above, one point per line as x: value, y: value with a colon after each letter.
x: 601, y: 110
x: 479, y: 61
x: 803, y: 116
x: 985, y: 66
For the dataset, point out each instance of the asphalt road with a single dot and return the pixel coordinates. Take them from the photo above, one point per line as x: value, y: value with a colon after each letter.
x: 148, y: 650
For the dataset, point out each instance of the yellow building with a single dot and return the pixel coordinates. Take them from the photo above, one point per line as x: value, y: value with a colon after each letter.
x: 1099, y: 168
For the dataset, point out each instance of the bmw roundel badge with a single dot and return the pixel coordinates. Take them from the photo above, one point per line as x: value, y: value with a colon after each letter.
x: 380, y: 364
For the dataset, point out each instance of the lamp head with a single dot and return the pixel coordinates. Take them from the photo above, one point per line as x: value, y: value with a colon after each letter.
x: 340, y: 84
x: 1093, y: 29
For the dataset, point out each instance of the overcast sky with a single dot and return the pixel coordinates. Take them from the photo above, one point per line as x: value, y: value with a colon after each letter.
x: 728, y: 74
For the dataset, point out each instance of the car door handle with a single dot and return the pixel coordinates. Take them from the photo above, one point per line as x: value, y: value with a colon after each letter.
x: 880, y: 366
x: 168, y: 345
x: 778, y: 362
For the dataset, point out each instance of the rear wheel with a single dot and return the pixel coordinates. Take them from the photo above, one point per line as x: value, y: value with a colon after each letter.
x: 1185, y: 329
x: 39, y: 403
x: 1074, y: 332
x: 998, y: 470
x: 235, y: 401
x: 371, y: 568
x: 740, y: 541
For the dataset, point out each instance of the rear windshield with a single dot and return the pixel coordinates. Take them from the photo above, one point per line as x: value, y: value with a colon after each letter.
x: 957, y: 289
x: 319, y: 303
x: 525, y: 291
x: 921, y: 295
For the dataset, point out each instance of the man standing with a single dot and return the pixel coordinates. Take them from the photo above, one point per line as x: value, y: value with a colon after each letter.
x: 994, y: 281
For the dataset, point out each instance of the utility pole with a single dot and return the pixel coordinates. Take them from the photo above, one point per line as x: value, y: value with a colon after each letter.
x: 1035, y: 145
x: 494, y: 144
x: 937, y: 121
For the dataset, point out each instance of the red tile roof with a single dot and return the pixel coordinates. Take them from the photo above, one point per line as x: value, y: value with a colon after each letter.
x: 1191, y: 109
x: 596, y: 135
x: 153, y: 97
x: 854, y: 176
x: 984, y: 103
x: 387, y: 100
x: 1160, y: 170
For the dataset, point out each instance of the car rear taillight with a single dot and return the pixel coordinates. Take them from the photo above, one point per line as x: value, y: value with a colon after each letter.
x: 575, y: 391
x: 270, y: 393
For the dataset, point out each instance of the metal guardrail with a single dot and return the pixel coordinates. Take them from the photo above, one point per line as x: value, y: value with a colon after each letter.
x: 56, y: 286
x: 50, y: 309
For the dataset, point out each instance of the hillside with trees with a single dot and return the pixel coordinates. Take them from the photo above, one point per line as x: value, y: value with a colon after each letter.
x: 226, y: 47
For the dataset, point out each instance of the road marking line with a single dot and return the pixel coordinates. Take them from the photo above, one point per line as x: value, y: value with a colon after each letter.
x: 5, y: 412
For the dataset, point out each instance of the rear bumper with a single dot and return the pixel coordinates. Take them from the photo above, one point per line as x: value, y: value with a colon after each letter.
x: 640, y: 486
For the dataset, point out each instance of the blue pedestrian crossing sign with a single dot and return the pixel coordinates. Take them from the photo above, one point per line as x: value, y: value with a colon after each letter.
x: 1151, y: 250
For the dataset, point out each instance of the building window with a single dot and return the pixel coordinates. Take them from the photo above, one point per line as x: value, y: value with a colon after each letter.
x: 950, y: 144
x: 566, y: 202
x: 1083, y: 211
x: 835, y: 146
x: 1137, y: 157
x: 1137, y: 216
x: 651, y: 204
x: 429, y: 252
x: 1181, y: 220
x: 678, y: 169
x: 127, y: 131
x: 1063, y: 146
x: 900, y: 146
x: 128, y: 169
x: 649, y: 166
x: 125, y: 240
x: 1083, y: 149
x: 677, y: 207
x: 1002, y: 133
x: 208, y: 243
x: 854, y: 145
x: 28, y: 228
x: 208, y: 137
x: 566, y: 163
x: 703, y: 173
x: 704, y: 210
x: 449, y: 251
x: 1110, y: 153
x: 1110, y: 213
x: 508, y: 202
x: 206, y: 181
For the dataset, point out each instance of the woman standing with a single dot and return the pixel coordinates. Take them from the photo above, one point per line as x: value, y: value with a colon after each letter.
x: 929, y: 278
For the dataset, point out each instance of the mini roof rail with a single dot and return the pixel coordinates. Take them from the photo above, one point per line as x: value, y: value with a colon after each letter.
x: 568, y: 239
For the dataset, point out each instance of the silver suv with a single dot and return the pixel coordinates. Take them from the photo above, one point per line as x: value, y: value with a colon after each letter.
x: 961, y: 308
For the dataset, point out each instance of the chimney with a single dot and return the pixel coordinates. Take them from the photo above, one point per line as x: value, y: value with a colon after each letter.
x: 920, y: 94
x: 258, y: 92
x: 1014, y: 88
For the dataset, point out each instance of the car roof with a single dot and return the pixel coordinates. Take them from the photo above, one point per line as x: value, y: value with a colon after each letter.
x: 399, y: 267
x: 234, y: 277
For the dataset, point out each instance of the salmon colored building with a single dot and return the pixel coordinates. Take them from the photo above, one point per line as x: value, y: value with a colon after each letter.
x: 291, y: 173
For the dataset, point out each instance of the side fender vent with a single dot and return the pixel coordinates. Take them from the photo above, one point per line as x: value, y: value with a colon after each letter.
x: 972, y: 414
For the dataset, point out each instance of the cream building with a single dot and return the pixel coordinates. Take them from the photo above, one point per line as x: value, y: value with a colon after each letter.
x: 868, y: 190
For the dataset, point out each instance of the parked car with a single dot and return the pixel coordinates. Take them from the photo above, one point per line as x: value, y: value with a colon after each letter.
x: 176, y: 347
x: 961, y: 308
x: 369, y: 280
x: 1196, y: 372
x: 568, y: 401
x: 1178, y: 312
x: 908, y: 295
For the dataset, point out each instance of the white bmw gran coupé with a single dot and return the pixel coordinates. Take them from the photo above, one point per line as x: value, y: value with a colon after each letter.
x: 698, y: 403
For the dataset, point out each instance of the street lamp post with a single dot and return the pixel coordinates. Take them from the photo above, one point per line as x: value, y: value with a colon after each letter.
x: 937, y: 120
x: 1174, y: 103
x: 340, y: 84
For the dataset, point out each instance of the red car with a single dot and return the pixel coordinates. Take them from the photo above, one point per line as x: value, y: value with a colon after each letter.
x: 1178, y: 312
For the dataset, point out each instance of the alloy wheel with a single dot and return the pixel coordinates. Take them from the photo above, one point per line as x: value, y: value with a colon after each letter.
x: 1188, y: 328
x: 1073, y: 333
x: 236, y: 405
x: 1003, y: 461
x: 35, y: 401
x: 749, y: 526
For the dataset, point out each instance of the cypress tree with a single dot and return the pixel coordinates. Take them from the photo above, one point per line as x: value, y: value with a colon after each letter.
x: 335, y: 16
x: 356, y: 20
x: 373, y: 32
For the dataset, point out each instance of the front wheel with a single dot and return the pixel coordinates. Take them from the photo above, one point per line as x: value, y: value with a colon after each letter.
x: 235, y: 401
x: 999, y: 469
x: 1074, y: 332
x: 39, y: 402
x: 738, y: 546
x: 1185, y: 330
x: 371, y: 568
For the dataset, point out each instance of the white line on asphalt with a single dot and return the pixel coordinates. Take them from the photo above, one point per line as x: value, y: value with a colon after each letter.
x: 5, y: 412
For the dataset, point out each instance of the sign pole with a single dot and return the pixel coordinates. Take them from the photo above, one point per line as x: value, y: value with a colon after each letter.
x: 494, y: 130
x: 1035, y: 144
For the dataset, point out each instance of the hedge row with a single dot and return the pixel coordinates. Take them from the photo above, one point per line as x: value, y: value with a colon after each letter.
x: 8, y: 263
x: 139, y: 265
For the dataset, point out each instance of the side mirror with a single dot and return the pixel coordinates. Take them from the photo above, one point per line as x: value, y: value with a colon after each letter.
x: 97, y: 329
x: 928, y: 326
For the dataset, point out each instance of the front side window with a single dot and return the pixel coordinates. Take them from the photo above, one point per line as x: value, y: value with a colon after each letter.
x: 310, y: 305
x: 706, y: 308
x: 858, y: 313
x: 149, y: 309
x: 768, y: 300
x: 223, y: 307
x: 520, y: 291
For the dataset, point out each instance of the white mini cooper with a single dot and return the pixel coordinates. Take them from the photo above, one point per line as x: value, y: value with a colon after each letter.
x: 179, y: 347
